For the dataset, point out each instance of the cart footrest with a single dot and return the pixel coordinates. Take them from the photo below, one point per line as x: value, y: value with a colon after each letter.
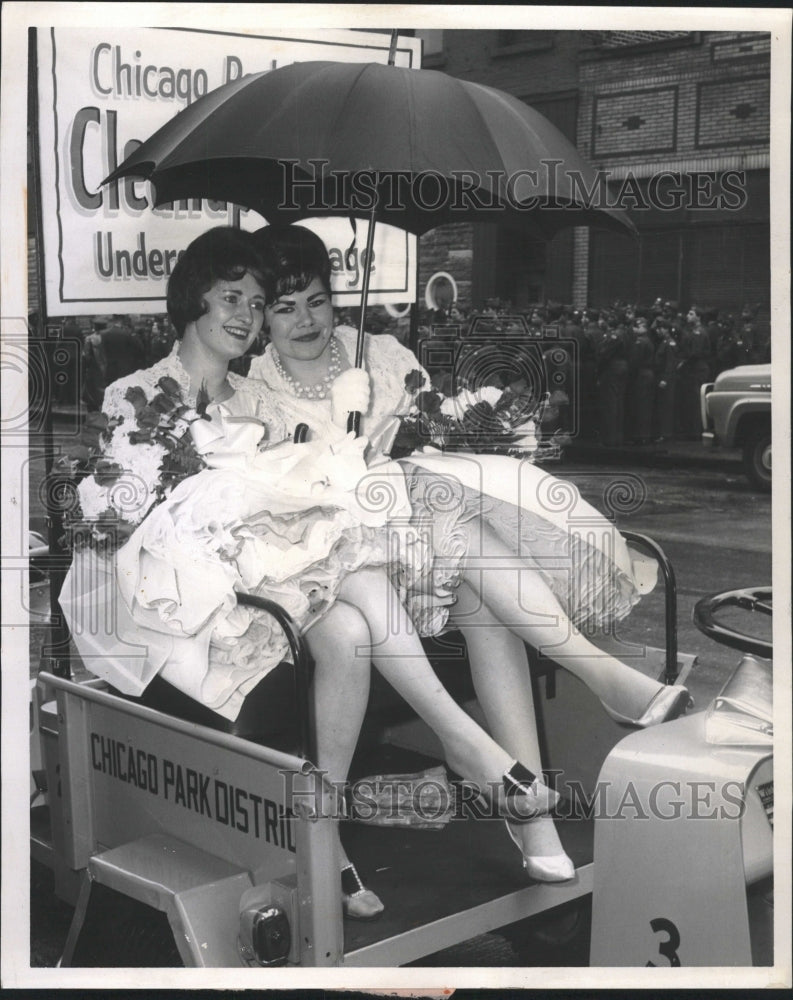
x: 156, y: 868
x: 198, y: 892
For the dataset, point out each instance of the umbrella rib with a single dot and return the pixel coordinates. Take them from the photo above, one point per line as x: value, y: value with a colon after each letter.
x: 353, y: 84
x: 230, y: 92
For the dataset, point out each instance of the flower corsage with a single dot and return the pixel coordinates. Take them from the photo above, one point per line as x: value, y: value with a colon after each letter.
x: 104, y: 498
x: 487, y: 419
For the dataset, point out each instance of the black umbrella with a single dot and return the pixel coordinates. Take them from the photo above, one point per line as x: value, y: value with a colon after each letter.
x: 412, y: 148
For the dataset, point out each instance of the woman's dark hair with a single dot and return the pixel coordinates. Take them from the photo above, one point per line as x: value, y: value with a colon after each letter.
x: 220, y: 254
x: 295, y: 256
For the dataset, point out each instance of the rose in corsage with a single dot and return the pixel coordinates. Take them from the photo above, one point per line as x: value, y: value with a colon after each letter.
x: 485, y: 418
x: 150, y: 438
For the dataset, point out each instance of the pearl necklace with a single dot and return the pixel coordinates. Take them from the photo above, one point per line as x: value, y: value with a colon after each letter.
x: 320, y: 389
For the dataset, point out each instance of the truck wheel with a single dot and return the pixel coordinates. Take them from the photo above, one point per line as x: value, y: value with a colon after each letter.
x: 757, y: 459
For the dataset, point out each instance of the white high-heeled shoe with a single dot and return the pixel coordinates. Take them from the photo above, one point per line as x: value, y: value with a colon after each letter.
x: 553, y: 868
x: 672, y: 701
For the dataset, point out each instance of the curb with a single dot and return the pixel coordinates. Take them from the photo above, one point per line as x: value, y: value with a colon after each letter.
x: 655, y: 457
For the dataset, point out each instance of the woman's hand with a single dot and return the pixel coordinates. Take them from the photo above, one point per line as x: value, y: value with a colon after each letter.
x: 349, y: 393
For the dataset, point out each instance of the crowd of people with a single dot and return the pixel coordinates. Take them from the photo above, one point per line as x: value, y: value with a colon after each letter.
x: 633, y: 373
x: 627, y: 374
x: 109, y: 348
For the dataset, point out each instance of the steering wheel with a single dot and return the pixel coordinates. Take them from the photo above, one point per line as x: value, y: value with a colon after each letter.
x: 754, y: 599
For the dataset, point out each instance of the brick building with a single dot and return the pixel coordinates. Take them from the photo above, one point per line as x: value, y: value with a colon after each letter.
x: 679, y: 124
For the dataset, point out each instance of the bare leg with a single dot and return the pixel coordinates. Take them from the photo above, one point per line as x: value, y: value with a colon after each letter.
x: 398, y: 654
x: 340, y: 646
x: 522, y: 601
x: 500, y: 672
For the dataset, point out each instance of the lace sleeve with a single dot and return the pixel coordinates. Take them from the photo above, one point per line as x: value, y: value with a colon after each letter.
x: 134, y: 491
x: 114, y: 404
x: 389, y: 362
x: 401, y: 360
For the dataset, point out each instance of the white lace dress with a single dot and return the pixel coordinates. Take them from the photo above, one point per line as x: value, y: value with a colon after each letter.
x: 589, y: 567
x: 284, y: 522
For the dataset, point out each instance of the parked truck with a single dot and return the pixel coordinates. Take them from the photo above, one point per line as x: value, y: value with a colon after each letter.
x: 736, y: 413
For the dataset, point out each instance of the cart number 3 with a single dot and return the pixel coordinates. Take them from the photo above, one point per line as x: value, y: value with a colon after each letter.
x: 669, y: 947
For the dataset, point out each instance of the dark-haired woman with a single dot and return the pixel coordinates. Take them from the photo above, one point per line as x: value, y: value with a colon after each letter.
x: 573, y: 566
x: 503, y: 546
x: 216, y: 303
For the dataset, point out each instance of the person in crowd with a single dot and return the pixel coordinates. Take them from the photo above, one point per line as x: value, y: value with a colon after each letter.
x: 94, y: 367
x: 759, y: 332
x: 641, y: 383
x: 693, y: 371
x: 665, y: 362
x: 583, y: 418
x: 124, y: 352
x: 714, y: 323
x: 235, y: 526
x: 734, y: 346
x: 64, y: 390
x: 537, y: 321
x: 161, y: 336
x: 612, y: 372
x: 560, y: 374
x: 588, y: 378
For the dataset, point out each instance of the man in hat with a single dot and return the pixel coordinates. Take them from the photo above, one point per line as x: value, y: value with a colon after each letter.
x: 665, y: 362
x: 612, y: 360
x: 641, y: 382
x: 694, y: 369
x: 124, y: 353
x: 94, y: 367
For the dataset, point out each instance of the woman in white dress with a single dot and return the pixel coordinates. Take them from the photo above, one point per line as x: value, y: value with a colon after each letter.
x: 501, y: 549
x: 278, y: 520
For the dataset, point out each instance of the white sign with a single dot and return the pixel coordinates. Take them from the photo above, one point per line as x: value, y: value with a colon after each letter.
x: 103, y: 91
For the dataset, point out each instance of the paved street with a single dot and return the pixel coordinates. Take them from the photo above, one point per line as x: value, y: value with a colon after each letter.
x: 715, y: 529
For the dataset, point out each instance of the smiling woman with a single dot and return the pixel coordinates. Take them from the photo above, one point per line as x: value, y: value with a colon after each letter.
x: 233, y: 319
x: 147, y: 443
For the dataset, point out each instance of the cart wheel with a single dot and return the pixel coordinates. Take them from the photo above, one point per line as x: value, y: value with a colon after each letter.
x: 119, y: 931
x: 755, y: 600
x: 557, y: 937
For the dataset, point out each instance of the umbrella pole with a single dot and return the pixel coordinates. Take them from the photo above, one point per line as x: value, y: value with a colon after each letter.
x: 354, y: 419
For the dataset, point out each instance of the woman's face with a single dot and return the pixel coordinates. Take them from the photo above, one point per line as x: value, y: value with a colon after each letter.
x: 300, y: 324
x: 233, y: 318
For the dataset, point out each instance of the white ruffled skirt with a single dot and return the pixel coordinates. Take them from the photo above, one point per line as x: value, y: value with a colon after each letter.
x: 166, y: 603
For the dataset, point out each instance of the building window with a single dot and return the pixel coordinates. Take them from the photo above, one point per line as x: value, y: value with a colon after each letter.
x: 631, y: 39
x: 561, y: 110
x: 508, y: 42
x: 432, y: 45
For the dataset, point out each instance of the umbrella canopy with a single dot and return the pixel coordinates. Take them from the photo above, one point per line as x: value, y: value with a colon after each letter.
x: 329, y: 138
